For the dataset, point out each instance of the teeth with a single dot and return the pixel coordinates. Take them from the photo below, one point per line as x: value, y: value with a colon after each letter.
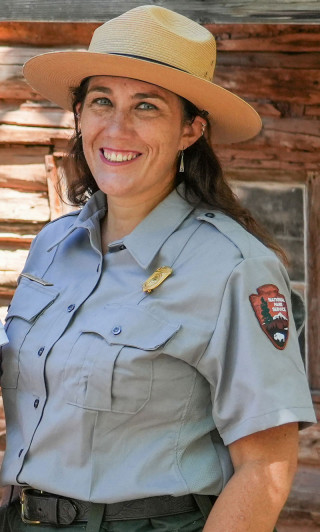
x: 119, y: 157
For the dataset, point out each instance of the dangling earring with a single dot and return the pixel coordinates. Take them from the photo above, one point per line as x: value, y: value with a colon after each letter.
x: 203, y: 128
x: 181, y: 168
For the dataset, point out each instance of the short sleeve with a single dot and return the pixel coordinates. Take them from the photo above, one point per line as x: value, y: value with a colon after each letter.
x: 253, y: 361
x: 3, y: 337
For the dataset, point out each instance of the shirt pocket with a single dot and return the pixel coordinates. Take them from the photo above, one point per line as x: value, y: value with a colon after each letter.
x: 29, y: 302
x: 109, y: 367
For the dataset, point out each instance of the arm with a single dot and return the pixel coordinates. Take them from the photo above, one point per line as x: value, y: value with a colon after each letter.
x: 264, y: 463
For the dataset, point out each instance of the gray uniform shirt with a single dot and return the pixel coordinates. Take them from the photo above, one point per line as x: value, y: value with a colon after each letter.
x: 112, y: 393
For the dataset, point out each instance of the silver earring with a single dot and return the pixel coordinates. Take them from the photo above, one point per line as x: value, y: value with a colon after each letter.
x: 203, y: 129
x: 181, y: 167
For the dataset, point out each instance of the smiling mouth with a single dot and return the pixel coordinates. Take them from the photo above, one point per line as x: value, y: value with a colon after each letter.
x: 119, y: 156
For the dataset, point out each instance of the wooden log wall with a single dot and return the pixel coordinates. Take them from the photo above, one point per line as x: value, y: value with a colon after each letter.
x: 219, y: 11
x: 273, y: 66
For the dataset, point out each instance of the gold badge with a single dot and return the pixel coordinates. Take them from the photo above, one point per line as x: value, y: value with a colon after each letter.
x: 156, y: 278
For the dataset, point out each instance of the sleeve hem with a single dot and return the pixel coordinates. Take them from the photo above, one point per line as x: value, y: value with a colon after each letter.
x: 304, y: 416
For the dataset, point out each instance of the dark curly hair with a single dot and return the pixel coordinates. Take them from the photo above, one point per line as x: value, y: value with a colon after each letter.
x: 203, y: 177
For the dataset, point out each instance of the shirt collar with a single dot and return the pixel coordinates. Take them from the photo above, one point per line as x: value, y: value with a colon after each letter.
x: 86, y: 218
x: 144, y: 242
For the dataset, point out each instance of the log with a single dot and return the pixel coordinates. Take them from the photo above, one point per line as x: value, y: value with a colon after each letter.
x: 219, y: 11
x: 229, y: 37
x: 18, y: 154
x: 276, y: 84
x: 32, y: 135
x: 313, y: 244
x: 20, y: 228
x: 251, y: 59
x: 3, y: 312
x: 23, y: 206
x: 268, y: 157
x: 15, y: 241
x: 266, y: 37
x: 11, y: 264
x: 29, y: 177
x: 312, y: 110
x: 46, y: 34
x: 57, y: 187
x: 265, y: 175
x: 6, y: 293
x: 32, y: 114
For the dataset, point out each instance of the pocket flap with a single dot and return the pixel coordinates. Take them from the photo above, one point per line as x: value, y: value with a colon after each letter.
x: 133, y: 326
x: 30, y: 299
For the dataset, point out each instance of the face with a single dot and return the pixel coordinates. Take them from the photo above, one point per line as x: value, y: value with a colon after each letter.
x: 132, y: 134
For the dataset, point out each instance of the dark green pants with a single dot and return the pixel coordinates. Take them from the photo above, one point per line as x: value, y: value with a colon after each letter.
x: 10, y: 521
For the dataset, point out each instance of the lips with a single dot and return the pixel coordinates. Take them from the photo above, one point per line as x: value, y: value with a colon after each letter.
x: 119, y: 156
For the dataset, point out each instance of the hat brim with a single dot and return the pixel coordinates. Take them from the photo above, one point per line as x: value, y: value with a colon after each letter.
x: 53, y: 75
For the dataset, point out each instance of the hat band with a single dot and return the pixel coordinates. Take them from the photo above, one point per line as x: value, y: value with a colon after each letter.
x: 150, y: 60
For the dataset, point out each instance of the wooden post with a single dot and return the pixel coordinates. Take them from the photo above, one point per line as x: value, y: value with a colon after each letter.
x: 313, y: 243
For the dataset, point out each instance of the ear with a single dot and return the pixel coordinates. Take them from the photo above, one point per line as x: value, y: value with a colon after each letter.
x: 192, y: 132
x: 78, y: 114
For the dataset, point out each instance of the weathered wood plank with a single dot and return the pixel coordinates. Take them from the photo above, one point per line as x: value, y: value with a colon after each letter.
x: 32, y: 114
x: 229, y: 37
x: 6, y: 293
x: 266, y: 37
x: 30, y: 177
x: 262, y: 59
x: 98, y: 10
x: 314, y: 278
x: 57, y: 187
x: 302, y: 506
x: 18, y: 55
x: 21, y: 228
x: 15, y: 241
x: 11, y: 264
x: 17, y: 154
x: 295, y: 134
x: 299, y: 86
x: 268, y: 157
x: 265, y: 175
x: 23, y: 206
x: 43, y: 34
x: 3, y: 312
x: 312, y: 110
x: 12, y: 83
x: 32, y: 135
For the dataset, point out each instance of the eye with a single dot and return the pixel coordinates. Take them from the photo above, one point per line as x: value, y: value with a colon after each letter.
x: 145, y: 106
x: 102, y: 100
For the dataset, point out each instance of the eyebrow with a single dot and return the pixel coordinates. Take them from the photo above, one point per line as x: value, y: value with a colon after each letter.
x: 137, y: 96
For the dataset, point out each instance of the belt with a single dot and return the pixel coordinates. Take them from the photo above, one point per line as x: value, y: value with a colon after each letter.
x: 38, y: 507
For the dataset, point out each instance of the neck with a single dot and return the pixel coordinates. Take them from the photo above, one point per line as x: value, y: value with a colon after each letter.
x: 123, y: 215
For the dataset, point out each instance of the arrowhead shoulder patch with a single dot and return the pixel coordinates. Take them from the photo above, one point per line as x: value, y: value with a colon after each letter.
x: 271, y: 310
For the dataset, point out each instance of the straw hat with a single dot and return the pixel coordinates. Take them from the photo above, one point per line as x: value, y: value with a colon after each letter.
x: 156, y: 45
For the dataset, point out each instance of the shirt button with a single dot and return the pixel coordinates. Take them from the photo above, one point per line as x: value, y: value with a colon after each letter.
x: 210, y: 215
x: 36, y: 403
x: 70, y: 308
x: 40, y: 351
x: 116, y: 330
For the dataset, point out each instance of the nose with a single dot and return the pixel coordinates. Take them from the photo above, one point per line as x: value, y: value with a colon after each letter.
x: 119, y: 123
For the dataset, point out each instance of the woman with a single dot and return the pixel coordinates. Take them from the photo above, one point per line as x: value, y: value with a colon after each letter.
x: 149, y: 329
